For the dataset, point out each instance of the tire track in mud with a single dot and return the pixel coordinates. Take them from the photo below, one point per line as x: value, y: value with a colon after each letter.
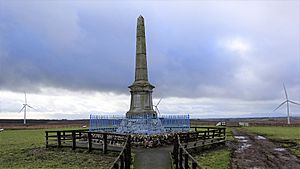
x: 257, y: 152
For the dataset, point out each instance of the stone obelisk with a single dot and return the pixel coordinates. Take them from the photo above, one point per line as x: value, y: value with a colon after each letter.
x: 141, y: 90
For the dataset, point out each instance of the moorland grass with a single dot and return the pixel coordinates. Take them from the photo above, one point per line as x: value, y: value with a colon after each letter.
x: 216, y: 158
x: 284, y: 135
x: 26, y: 149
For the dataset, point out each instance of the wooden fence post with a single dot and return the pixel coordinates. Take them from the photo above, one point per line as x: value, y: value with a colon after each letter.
x: 194, y: 165
x: 127, y: 163
x: 122, y: 161
x: 80, y: 134
x: 73, y: 140
x: 187, y: 138
x: 208, y: 134
x: 90, y: 141
x: 46, y: 139
x: 105, y: 143
x: 180, y: 158
x: 186, y: 161
x: 175, y: 151
x: 64, y: 136
x: 129, y: 148
x: 58, y: 139
x: 116, y: 166
x: 213, y: 136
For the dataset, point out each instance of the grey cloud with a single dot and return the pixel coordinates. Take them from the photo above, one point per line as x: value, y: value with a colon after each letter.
x: 91, y: 46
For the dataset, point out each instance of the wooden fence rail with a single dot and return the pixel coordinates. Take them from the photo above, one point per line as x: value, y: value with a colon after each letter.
x: 201, y: 136
x: 123, y: 161
x: 85, y: 139
x: 71, y: 138
x: 185, y: 141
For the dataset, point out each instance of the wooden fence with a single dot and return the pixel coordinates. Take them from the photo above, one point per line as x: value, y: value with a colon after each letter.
x: 94, y: 140
x: 123, y: 161
x: 85, y: 139
x: 202, y: 136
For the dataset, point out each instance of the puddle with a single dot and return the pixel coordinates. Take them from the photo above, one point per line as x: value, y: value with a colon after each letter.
x: 260, y: 138
x: 279, y: 149
x: 243, y: 147
x: 240, y: 137
x: 243, y: 141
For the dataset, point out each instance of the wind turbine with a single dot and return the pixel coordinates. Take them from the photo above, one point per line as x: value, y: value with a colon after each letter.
x: 156, y: 106
x: 25, y: 105
x: 287, y: 101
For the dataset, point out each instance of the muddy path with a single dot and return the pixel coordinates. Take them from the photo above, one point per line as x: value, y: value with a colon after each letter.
x: 257, y: 152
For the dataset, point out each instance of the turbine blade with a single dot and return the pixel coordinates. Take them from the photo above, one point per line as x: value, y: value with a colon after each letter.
x: 22, y: 108
x: 286, y: 95
x: 155, y: 107
x: 32, y: 108
x: 294, y: 102
x: 280, y: 105
x: 159, y: 101
x: 158, y: 111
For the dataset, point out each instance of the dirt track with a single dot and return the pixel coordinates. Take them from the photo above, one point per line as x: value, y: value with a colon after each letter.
x: 257, y: 152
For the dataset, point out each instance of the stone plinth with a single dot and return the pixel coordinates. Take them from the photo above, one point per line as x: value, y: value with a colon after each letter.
x: 146, y: 126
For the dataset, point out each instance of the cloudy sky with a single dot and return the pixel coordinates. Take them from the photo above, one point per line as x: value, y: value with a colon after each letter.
x: 207, y: 59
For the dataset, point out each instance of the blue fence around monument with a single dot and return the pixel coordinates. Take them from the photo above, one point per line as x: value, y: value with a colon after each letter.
x: 176, y: 122
x: 106, y: 123
x: 111, y: 123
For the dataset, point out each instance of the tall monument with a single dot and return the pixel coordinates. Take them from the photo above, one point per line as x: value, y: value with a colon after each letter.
x: 141, y: 90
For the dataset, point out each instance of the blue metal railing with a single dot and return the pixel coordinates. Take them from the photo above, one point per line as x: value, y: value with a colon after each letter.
x: 111, y: 123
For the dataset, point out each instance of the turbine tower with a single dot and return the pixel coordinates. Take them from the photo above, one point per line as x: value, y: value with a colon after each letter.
x: 287, y: 101
x: 25, y: 105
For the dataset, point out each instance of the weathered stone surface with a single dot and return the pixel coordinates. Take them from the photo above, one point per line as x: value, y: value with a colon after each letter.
x: 147, y: 126
x: 141, y: 90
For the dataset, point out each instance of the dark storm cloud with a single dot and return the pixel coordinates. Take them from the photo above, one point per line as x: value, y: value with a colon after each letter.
x: 91, y: 46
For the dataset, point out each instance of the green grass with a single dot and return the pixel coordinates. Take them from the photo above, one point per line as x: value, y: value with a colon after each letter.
x: 26, y: 149
x: 287, y: 136
x: 229, y: 135
x: 218, y: 158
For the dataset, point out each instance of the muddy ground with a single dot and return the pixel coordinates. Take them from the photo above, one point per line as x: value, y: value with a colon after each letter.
x: 257, y: 152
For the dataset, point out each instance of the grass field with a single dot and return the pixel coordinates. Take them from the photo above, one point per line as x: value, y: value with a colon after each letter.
x: 218, y: 158
x: 26, y: 149
x: 289, y: 137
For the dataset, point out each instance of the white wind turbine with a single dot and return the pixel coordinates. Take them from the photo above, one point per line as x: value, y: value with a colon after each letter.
x: 25, y: 105
x: 287, y: 101
x: 156, y: 106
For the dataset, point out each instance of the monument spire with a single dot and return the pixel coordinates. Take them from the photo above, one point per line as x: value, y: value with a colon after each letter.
x: 141, y: 72
x: 141, y: 90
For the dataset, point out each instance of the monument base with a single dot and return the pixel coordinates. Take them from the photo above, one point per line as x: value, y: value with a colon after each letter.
x: 146, y: 126
x: 146, y: 114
